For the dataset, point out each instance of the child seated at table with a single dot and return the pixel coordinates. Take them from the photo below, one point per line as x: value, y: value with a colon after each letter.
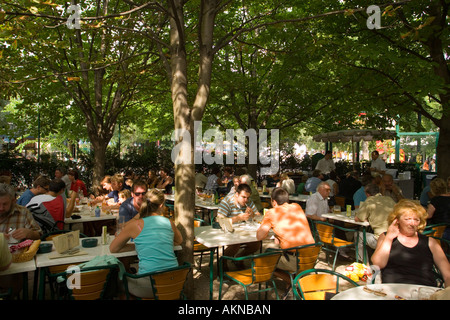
x: 124, y: 195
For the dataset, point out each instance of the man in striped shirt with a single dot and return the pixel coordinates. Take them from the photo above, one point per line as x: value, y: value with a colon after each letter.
x: 239, y: 207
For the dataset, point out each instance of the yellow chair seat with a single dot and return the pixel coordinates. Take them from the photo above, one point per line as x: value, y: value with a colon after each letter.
x: 243, y: 276
x: 261, y: 271
x: 340, y: 243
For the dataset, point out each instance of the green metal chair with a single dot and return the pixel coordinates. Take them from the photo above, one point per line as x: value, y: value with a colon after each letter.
x: 331, y: 243
x: 320, y: 284
x: 94, y: 282
x: 171, y: 209
x: 436, y: 231
x: 306, y: 257
x: 261, y: 270
x: 166, y: 284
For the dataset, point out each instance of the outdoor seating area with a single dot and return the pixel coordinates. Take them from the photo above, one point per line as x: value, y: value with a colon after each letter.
x: 241, y: 154
x: 330, y: 263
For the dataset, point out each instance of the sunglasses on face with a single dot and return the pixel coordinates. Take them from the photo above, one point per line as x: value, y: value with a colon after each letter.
x: 139, y: 193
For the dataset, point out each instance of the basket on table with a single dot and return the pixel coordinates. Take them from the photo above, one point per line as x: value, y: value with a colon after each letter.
x: 24, y: 251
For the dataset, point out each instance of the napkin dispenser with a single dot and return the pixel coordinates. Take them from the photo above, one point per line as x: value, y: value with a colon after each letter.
x: 225, y: 223
x: 66, y: 241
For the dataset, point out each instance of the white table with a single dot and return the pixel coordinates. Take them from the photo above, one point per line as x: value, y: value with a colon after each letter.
x: 88, y: 217
x: 19, y: 267
x: 213, y: 238
x: 393, y: 291
x: 343, y: 217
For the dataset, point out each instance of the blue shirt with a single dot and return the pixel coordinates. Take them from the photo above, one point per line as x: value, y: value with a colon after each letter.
x: 359, y: 196
x: 154, y: 245
x: 424, y: 198
x: 25, y: 198
x: 311, y: 184
x: 127, y: 209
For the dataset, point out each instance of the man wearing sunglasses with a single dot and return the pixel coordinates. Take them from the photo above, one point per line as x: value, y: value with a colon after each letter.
x: 130, y: 207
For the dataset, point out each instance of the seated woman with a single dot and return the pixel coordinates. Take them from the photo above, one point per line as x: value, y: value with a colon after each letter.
x: 403, y: 254
x: 439, y: 207
x: 286, y: 183
x: 154, y: 236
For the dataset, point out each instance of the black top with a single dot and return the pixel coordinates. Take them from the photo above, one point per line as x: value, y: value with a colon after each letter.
x: 410, y: 265
x: 442, y: 213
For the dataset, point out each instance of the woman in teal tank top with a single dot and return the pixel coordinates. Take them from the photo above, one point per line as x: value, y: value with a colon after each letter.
x: 154, y: 236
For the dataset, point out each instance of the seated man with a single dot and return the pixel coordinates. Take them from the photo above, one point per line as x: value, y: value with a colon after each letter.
x: 55, y: 202
x: 360, y: 195
x: 291, y: 228
x: 16, y: 222
x: 130, y: 207
x: 40, y: 186
x: 239, y: 207
x: 375, y: 209
x: 166, y: 182
x: 390, y: 189
x: 317, y: 204
x: 312, y: 183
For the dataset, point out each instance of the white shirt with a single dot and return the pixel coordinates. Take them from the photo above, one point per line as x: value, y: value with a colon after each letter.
x: 378, y: 164
x: 325, y: 165
x: 331, y: 182
x: 288, y: 185
x: 316, y: 205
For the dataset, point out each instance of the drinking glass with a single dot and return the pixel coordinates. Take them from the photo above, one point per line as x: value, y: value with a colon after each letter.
x: 120, y: 223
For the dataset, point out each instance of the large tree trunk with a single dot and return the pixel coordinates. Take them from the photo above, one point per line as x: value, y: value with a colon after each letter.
x: 443, y: 149
x: 184, y: 173
x: 98, y: 170
x: 184, y: 116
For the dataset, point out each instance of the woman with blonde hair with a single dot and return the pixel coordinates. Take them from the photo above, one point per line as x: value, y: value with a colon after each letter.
x: 286, y: 183
x: 154, y: 237
x: 403, y: 254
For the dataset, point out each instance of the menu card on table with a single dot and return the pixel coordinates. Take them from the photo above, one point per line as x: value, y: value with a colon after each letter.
x: 67, y: 244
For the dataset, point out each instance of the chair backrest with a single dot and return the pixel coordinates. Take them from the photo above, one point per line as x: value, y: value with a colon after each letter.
x: 314, y: 284
x: 92, y: 284
x: 169, y: 284
x: 436, y: 231
x: 325, y: 231
x: 307, y: 257
x: 439, y: 231
x: 263, y: 266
